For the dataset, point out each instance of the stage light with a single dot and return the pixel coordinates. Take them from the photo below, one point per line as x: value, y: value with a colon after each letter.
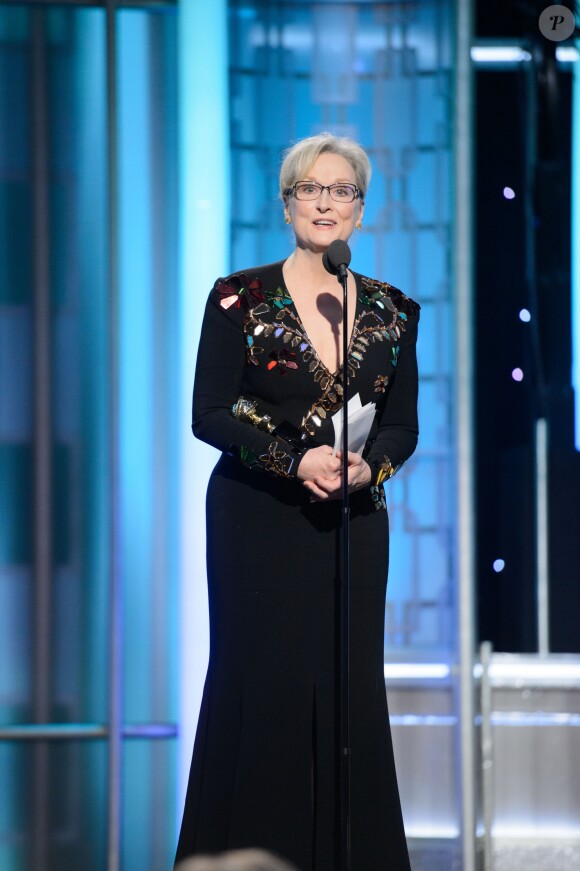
x: 416, y: 670
x: 511, y: 55
x: 509, y: 193
x: 499, y: 54
x: 525, y: 316
x: 431, y: 832
x: 530, y: 671
x: 567, y: 54
x: 423, y: 720
x: 517, y: 374
x: 538, y: 720
x: 535, y: 830
x: 498, y: 565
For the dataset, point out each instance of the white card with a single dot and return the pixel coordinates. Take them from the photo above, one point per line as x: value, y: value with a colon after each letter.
x: 360, y: 419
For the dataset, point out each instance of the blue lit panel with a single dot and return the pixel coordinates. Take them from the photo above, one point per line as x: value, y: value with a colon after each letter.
x: 204, y: 255
x: 392, y: 91
x: 135, y: 392
x: 136, y: 327
x: 148, y: 459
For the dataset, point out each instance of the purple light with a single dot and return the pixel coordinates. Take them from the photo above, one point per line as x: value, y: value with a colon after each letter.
x: 517, y: 374
x: 498, y: 565
x: 509, y: 193
x: 525, y: 316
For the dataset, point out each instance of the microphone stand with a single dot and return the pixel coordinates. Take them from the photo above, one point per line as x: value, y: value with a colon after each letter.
x: 335, y: 261
x: 344, y: 653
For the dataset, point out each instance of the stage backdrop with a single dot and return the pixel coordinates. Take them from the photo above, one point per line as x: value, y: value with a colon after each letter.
x: 384, y: 73
x: 123, y: 194
x: 381, y: 73
x: 88, y: 419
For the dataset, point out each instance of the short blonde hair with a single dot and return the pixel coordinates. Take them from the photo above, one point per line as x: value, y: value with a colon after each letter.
x: 298, y: 159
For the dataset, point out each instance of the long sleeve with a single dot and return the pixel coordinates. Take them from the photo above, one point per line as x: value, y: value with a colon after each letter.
x: 398, y: 427
x: 219, y: 378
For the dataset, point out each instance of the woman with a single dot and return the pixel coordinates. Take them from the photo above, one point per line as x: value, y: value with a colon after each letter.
x: 264, y: 770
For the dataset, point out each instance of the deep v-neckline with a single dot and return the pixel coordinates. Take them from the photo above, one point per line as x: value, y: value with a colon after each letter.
x: 332, y: 374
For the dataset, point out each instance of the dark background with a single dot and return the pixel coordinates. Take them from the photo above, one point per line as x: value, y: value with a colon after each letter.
x: 523, y: 140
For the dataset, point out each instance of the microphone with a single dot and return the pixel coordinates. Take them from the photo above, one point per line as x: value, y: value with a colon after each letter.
x: 336, y: 258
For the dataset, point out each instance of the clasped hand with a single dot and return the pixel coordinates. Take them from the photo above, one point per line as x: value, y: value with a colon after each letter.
x: 321, y: 473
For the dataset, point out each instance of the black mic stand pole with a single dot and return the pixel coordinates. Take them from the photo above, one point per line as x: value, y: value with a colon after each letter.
x: 344, y: 665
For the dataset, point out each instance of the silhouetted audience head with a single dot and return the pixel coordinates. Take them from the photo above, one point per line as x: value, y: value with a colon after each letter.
x: 236, y: 860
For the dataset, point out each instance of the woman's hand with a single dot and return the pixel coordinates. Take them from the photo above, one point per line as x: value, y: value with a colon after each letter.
x: 359, y: 472
x: 321, y: 473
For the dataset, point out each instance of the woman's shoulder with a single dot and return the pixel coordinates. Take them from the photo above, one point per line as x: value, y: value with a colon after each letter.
x: 244, y: 288
x: 245, y: 277
x: 245, y: 285
x: 381, y: 294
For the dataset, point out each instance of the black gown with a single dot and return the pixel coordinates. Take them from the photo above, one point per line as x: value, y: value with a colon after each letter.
x: 264, y: 769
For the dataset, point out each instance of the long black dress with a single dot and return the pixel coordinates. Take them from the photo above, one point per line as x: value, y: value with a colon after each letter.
x: 264, y: 770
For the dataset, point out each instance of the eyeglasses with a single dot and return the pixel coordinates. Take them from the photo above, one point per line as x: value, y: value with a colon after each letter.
x: 311, y: 190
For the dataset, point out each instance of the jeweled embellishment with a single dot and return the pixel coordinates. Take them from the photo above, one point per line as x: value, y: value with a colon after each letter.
x: 292, y: 335
x: 374, y: 293
x: 381, y: 383
x: 251, y: 351
x: 385, y: 470
x: 381, y: 295
x: 378, y: 497
x: 329, y: 402
x: 273, y: 460
x: 278, y: 298
x: 283, y: 359
x: 276, y: 460
x: 239, y: 291
x: 248, y: 458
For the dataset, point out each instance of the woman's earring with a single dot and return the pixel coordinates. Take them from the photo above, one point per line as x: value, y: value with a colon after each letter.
x: 287, y: 220
x: 358, y: 224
